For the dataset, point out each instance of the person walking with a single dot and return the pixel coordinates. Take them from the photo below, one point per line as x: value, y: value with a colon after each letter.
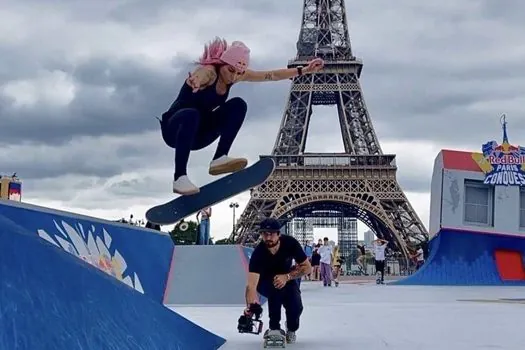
x: 326, y: 263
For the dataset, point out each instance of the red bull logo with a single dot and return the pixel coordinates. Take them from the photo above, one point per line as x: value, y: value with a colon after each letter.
x: 502, y: 164
x: 506, y: 159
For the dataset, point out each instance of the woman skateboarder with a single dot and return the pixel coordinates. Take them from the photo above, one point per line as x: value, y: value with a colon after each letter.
x: 202, y: 112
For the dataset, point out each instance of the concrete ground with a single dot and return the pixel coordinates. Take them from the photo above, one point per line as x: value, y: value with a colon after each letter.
x: 369, y: 316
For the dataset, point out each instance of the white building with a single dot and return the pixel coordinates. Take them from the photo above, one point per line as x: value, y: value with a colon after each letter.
x: 369, y: 238
x: 462, y: 199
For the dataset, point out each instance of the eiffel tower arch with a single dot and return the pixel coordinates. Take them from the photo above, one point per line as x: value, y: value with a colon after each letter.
x: 302, y: 222
x: 359, y: 182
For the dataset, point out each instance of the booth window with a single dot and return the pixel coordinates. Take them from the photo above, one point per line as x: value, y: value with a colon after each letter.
x: 479, y: 203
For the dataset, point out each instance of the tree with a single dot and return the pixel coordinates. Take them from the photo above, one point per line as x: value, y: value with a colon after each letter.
x: 189, y: 235
x: 186, y: 237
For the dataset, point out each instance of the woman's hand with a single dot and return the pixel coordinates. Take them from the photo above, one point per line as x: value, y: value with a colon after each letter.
x: 194, y: 82
x: 201, y: 77
x: 314, y: 66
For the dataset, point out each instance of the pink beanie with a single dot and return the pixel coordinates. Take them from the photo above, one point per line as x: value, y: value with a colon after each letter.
x: 236, y: 55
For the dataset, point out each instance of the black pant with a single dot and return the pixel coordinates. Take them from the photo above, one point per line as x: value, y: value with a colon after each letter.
x: 380, y: 266
x: 289, y: 297
x: 188, y: 130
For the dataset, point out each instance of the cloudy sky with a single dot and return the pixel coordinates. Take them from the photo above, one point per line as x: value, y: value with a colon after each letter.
x: 82, y: 81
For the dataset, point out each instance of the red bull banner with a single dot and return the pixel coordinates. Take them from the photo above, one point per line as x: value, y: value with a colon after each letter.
x: 15, y: 191
x: 503, y: 164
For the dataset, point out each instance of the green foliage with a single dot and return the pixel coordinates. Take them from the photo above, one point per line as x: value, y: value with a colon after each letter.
x: 187, y: 237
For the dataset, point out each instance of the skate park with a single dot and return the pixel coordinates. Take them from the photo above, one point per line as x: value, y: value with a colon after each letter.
x: 113, y: 285
x: 74, y: 281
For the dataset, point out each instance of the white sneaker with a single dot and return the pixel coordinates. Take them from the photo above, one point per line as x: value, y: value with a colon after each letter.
x: 184, y: 186
x: 226, y: 164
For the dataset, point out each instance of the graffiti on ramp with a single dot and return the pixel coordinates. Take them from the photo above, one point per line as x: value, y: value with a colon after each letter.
x: 92, y: 246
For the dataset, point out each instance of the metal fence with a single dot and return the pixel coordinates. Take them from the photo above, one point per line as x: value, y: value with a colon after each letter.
x: 394, y: 266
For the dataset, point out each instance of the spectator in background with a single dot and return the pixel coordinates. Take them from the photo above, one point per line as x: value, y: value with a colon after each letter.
x: 204, y: 226
x: 326, y: 263
x: 336, y: 263
x: 380, y: 246
x: 316, y: 261
x: 419, y: 256
x: 308, y: 250
x: 361, y: 260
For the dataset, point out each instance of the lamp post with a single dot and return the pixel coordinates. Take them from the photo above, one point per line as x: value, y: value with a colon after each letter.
x: 234, y: 205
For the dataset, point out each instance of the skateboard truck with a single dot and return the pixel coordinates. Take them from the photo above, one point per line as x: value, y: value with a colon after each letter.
x: 250, y: 322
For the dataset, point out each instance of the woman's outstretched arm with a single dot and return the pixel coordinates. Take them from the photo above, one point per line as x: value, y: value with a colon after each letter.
x: 282, y: 74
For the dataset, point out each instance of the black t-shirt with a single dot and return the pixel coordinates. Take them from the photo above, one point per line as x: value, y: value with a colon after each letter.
x: 316, y: 258
x: 361, y: 249
x: 268, y: 265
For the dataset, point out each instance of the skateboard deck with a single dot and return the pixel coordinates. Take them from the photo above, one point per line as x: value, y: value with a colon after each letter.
x: 212, y: 193
x: 274, y: 341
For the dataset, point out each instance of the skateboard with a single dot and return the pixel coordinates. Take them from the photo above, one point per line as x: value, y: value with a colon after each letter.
x: 274, y: 339
x: 212, y: 193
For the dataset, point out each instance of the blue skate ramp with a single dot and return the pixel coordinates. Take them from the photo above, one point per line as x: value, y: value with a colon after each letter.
x: 465, y: 258
x: 50, y: 299
x: 136, y: 256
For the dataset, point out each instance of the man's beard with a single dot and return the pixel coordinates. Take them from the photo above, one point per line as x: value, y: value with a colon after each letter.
x: 271, y: 244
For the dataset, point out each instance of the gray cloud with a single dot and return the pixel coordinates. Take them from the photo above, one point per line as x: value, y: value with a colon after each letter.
x: 80, y: 86
x: 111, y: 97
x: 114, y: 98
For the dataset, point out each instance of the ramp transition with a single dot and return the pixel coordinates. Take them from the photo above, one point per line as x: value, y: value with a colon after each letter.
x: 208, y: 275
x: 471, y: 258
x: 53, y: 300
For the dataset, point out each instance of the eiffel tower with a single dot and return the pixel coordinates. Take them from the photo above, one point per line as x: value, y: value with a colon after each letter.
x: 359, y: 183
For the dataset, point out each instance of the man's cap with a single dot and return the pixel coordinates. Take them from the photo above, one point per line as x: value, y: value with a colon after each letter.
x: 270, y: 225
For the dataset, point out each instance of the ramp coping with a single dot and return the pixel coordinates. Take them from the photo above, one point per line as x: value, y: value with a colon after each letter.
x: 34, y: 207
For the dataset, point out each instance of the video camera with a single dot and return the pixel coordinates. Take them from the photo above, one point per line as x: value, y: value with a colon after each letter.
x: 250, y: 322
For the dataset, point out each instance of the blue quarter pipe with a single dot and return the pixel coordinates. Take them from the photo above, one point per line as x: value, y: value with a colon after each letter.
x: 466, y: 258
x: 73, y: 282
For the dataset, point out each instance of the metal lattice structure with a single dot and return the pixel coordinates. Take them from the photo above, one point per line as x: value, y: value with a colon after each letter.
x: 361, y: 182
x: 302, y: 225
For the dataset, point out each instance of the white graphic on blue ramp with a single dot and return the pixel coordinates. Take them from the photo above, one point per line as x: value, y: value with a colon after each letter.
x: 93, y: 249
x: 133, y: 255
x: 52, y: 300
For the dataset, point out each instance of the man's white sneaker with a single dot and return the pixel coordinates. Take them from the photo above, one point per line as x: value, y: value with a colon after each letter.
x: 184, y: 186
x: 225, y: 164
